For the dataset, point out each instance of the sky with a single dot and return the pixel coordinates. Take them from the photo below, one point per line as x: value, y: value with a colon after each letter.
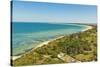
x: 24, y: 11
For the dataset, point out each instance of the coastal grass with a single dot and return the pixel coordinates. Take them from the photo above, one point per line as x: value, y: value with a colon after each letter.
x: 81, y: 46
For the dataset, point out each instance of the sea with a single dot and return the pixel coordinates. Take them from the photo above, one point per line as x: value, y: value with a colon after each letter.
x: 27, y: 35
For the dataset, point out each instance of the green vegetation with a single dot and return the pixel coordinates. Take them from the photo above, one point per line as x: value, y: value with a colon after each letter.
x: 81, y: 46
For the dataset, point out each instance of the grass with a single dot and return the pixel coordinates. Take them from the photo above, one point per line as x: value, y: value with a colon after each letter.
x: 81, y: 46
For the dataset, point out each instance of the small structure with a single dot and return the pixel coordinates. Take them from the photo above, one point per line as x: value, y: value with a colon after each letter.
x: 66, y: 58
x: 60, y: 55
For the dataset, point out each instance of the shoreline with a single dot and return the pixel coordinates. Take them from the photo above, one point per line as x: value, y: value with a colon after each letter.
x: 15, y: 57
x: 46, y: 42
x: 39, y: 45
x: 87, y: 28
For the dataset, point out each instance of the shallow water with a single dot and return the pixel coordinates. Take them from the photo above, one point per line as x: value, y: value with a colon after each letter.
x: 27, y: 35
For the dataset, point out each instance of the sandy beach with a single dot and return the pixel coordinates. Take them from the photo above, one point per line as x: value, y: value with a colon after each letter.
x: 46, y: 42
x: 87, y: 28
x: 15, y: 57
x: 40, y: 45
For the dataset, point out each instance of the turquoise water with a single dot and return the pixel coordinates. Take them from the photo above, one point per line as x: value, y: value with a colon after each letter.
x: 27, y: 35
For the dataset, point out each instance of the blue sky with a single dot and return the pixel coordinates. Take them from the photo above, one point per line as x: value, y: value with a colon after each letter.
x: 24, y: 11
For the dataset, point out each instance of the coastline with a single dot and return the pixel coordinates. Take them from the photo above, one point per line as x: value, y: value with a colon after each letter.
x: 46, y: 42
x: 40, y: 45
x: 15, y: 57
x: 87, y: 28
